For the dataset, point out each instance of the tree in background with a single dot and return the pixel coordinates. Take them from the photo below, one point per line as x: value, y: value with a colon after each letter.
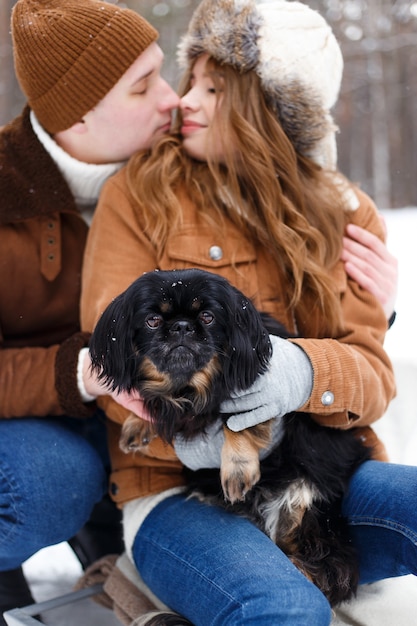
x: 376, y: 112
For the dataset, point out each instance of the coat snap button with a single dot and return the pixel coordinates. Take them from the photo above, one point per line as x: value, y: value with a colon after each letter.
x: 327, y: 398
x: 216, y: 253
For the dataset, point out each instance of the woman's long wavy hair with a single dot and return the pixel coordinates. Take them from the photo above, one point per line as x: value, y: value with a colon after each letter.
x: 276, y: 197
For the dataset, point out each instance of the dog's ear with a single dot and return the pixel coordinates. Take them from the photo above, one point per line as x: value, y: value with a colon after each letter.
x: 249, y: 347
x: 111, y: 345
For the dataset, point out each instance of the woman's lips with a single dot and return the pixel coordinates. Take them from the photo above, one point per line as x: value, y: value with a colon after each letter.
x: 190, y: 127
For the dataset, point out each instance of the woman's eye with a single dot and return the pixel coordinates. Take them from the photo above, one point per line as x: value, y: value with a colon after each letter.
x: 206, y: 317
x: 154, y: 321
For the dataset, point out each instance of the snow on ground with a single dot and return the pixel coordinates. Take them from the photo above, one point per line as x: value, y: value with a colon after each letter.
x: 54, y: 571
x: 402, y: 242
x: 398, y: 428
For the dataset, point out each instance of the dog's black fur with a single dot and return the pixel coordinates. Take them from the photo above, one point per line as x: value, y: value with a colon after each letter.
x: 185, y: 340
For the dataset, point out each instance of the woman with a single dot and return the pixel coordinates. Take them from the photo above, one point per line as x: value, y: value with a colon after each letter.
x: 246, y: 187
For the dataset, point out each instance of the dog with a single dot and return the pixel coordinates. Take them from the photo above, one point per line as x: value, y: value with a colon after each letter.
x: 185, y: 340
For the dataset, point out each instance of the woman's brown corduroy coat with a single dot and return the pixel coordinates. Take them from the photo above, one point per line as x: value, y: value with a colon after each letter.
x: 353, y: 366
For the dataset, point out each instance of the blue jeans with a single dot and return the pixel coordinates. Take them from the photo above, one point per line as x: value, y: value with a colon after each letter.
x: 218, y: 569
x: 52, y: 473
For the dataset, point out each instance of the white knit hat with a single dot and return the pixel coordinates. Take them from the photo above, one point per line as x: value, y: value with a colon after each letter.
x: 294, y: 52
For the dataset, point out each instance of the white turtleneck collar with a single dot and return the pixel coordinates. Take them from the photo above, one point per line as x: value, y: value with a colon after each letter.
x: 85, y: 180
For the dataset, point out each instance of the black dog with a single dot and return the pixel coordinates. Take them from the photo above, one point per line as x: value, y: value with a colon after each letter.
x: 185, y: 340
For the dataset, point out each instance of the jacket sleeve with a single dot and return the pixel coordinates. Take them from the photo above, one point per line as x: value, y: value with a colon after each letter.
x: 42, y: 381
x: 353, y: 375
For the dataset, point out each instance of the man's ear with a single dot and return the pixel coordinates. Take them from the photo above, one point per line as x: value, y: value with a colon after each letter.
x: 79, y: 128
x: 74, y: 140
x: 63, y: 137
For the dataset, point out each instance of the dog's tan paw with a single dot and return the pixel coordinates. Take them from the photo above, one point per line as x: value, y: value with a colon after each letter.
x: 239, y: 470
x: 136, y: 434
x: 238, y: 477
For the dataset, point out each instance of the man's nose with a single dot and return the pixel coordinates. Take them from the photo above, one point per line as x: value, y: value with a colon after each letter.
x: 169, y: 100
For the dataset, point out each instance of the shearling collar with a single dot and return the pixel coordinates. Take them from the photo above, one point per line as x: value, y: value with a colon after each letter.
x: 30, y: 183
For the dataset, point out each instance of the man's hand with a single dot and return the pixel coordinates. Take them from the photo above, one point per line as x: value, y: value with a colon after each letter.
x: 368, y: 262
x: 94, y: 387
x: 132, y: 401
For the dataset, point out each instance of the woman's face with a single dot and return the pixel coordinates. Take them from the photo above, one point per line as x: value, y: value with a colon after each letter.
x: 198, y: 108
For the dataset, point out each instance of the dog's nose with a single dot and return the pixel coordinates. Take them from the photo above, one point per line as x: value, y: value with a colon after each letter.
x: 182, y: 326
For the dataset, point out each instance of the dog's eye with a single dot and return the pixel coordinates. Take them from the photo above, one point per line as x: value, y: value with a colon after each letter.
x: 206, y: 317
x: 154, y: 321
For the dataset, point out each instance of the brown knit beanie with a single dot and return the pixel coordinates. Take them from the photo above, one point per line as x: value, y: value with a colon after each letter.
x: 69, y: 53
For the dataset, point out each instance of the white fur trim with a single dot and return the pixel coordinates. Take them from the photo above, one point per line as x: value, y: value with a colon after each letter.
x: 295, y: 42
x: 85, y: 396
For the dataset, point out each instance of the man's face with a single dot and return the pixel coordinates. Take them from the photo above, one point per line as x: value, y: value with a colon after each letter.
x: 133, y: 113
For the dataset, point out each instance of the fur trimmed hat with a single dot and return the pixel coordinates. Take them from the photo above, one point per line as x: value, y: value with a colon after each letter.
x: 69, y: 53
x: 294, y: 52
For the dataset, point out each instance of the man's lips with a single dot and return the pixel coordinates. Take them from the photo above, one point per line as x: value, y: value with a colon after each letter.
x: 165, y: 128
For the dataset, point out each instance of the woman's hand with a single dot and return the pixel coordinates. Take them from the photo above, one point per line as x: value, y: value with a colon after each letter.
x: 368, y: 261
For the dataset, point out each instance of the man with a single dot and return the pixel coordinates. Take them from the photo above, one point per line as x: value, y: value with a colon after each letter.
x: 91, y: 74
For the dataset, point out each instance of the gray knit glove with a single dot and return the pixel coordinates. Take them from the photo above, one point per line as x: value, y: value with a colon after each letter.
x: 203, y: 452
x: 285, y: 387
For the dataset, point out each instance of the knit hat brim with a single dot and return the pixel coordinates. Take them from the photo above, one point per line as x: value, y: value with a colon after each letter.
x: 69, y: 55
